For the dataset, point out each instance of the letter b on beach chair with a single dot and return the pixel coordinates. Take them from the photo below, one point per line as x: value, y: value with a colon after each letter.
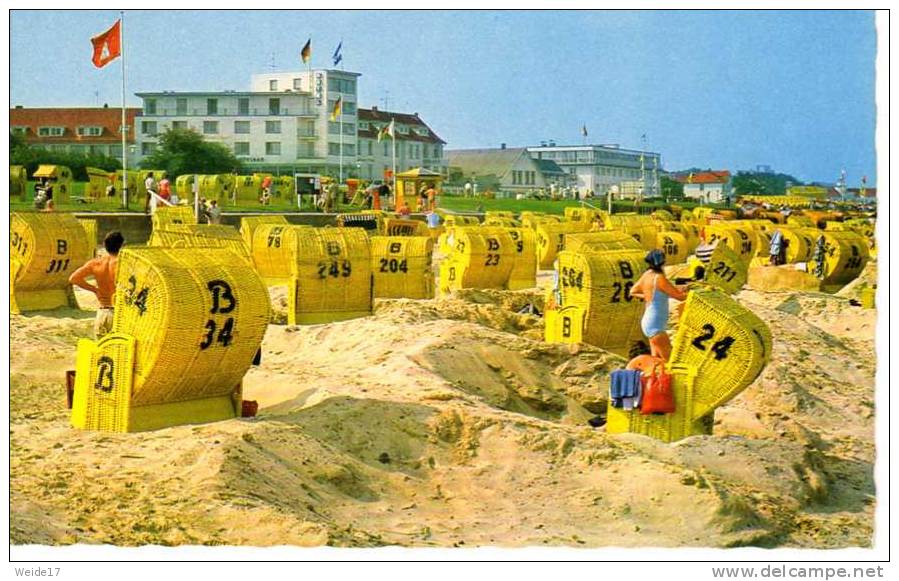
x: 45, y: 249
x: 187, y: 326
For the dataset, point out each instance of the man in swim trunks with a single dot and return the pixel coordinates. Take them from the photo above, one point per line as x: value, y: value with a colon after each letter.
x: 103, y: 270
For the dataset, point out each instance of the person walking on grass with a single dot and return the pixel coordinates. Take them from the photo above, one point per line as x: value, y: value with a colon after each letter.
x: 150, y: 186
x: 213, y: 213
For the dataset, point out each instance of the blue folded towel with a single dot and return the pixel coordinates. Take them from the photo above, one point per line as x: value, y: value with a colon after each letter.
x: 625, y: 388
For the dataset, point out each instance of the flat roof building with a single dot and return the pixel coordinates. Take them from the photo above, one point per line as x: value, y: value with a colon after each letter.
x: 599, y: 167
x: 283, y: 123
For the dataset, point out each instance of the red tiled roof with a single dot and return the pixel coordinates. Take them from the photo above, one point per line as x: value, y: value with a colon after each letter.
x: 378, y: 118
x: 71, y: 118
x: 869, y: 192
x: 704, y: 177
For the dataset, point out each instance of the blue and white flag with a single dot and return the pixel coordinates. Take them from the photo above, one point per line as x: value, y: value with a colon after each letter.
x: 337, y: 56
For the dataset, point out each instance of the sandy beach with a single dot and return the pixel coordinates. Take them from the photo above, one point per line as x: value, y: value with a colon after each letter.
x: 450, y: 423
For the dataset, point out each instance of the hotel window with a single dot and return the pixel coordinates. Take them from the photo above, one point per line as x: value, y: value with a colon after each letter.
x: 298, y: 84
x: 273, y: 85
x: 370, y: 147
x: 272, y: 148
x: 242, y: 127
x: 212, y: 106
x: 349, y: 149
x: 210, y: 127
x: 272, y: 127
x: 243, y: 106
x: 342, y: 85
x: 148, y: 127
x: 333, y: 149
x: 349, y: 108
x: 19, y: 130
x: 147, y: 148
x: 179, y: 124
x: 349, y: 129
x: 51, y: 131
x: 90, y: 131
x: 181, y: 106
x: 386, y: 148
x: 241, y: 148
x: 150, y: 107
x: 274, y: 106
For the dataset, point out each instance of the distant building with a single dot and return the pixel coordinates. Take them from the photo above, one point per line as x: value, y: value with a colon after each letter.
x: 323, y: 87
x: 84, y: 130
x: 707, y: 186
x: 507, y: 169
x: 599, y: 167
x: 417, y: 145
x: 863, y: 192
x: 866, y: 194
x: 281, y: 124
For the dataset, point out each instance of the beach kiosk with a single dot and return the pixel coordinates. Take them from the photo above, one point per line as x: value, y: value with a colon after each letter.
x: 60, y: 177
x: 408, y: 184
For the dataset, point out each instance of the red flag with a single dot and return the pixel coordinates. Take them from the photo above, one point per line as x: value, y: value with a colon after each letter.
x: 107, y: 46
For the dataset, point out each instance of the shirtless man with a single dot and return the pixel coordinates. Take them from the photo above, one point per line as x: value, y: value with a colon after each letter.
x: 103, y: 270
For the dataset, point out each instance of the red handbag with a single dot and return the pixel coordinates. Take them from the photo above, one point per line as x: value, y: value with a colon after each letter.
x: 658, y: 394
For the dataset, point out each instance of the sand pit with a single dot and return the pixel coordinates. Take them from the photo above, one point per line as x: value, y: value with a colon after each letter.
x: 451, y: 423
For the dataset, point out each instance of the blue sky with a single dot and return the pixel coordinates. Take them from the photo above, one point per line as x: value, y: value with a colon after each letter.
x: 728, y: 90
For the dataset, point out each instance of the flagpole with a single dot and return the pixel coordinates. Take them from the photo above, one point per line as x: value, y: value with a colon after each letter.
x: 124, y: 129
x: 393, y: 139
x: 340, y: 128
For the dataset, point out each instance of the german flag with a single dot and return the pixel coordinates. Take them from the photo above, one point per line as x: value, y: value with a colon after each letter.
x: 306, y: 53
x: 338, y: 107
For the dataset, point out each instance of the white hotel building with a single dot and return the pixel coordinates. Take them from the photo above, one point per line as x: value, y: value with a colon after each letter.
x: 281, y: 125
x: 606, y: 167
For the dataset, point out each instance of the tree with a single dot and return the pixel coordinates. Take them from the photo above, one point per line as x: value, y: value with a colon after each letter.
x: 671, y: 188
x: 31, y: 157
x: 747, y: 182
x: 15, y: 140
x: 183, y: 151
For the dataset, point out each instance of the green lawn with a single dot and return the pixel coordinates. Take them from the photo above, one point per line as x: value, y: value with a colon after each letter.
x: 136, y: 204
x: 447, y: 202
x: 460, y: 204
